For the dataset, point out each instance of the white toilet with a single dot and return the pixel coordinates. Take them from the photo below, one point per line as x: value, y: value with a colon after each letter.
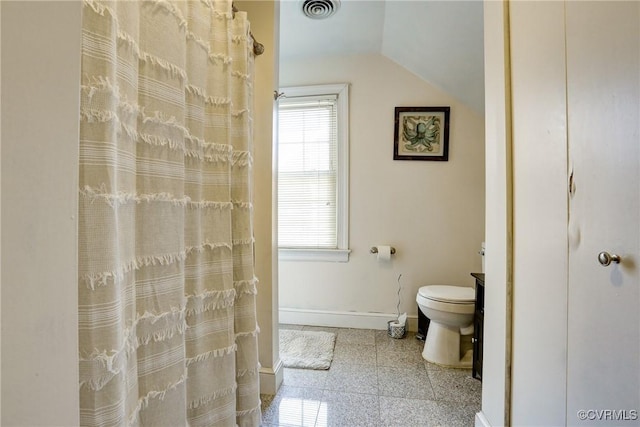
x: 450, y: 309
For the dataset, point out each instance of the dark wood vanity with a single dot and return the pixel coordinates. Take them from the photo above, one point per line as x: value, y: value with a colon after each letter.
x: 478, y: 327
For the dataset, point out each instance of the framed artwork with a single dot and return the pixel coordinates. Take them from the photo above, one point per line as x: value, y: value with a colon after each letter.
x: 421, y: 133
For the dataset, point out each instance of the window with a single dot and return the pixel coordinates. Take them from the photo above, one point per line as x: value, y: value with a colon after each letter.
x: 313, y: 173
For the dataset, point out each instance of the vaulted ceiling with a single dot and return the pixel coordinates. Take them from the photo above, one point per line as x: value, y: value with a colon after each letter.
x: 440, y: 41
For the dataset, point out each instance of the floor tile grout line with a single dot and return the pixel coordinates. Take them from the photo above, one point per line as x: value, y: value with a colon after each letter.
x: 378, y: 382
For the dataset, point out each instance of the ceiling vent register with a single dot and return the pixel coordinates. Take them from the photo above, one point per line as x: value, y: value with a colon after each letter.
x: 320, y: 9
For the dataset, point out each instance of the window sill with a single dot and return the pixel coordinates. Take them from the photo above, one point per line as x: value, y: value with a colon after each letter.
x: 330, y: 255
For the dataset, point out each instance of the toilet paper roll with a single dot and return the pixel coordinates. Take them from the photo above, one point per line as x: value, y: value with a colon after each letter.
x: 384, y: 253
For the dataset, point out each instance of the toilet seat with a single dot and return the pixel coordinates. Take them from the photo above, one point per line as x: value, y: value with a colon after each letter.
x: 448, y: 294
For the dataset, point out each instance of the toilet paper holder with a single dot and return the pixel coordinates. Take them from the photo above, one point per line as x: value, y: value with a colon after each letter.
x: 374, y: 250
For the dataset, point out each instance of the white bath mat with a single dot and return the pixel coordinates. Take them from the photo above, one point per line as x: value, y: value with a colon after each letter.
x: 306, y: 349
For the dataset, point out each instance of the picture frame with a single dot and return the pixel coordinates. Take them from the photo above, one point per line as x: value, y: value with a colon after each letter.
x: 421, y: 133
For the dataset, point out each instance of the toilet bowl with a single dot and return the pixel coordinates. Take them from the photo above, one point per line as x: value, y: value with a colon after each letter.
x: 450, y: 309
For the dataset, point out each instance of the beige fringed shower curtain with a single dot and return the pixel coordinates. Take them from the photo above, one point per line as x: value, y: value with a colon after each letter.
x: 166, y: 278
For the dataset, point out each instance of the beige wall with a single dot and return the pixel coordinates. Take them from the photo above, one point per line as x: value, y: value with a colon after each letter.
x: 40, y: 105
x: 431, y: 212
x: 264, y: 18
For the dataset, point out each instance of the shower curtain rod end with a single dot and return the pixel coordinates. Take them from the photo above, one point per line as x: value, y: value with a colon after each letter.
x: 258, y: 48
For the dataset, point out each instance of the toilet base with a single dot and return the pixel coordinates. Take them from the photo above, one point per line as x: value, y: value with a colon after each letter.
x: 445, y: 346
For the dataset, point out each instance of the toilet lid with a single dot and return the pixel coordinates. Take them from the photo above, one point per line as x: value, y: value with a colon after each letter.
x: 446, y: 293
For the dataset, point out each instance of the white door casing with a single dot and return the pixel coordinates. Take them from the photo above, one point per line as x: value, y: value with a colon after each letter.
x: 540, y: 260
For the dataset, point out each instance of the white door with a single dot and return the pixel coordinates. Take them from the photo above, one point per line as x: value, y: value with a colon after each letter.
x: 603, y: 95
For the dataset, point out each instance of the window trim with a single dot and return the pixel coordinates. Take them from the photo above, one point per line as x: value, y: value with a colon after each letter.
x: 341, y: 254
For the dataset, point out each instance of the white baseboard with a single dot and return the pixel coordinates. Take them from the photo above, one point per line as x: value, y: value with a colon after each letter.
x: 341, y: 319
x: 481, y: 420
x: 271, y: 378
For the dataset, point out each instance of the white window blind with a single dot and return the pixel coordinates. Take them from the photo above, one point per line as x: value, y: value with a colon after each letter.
x: 308, y: 172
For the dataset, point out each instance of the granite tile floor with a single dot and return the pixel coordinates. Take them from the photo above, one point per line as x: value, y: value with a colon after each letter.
x: 374, y: 380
